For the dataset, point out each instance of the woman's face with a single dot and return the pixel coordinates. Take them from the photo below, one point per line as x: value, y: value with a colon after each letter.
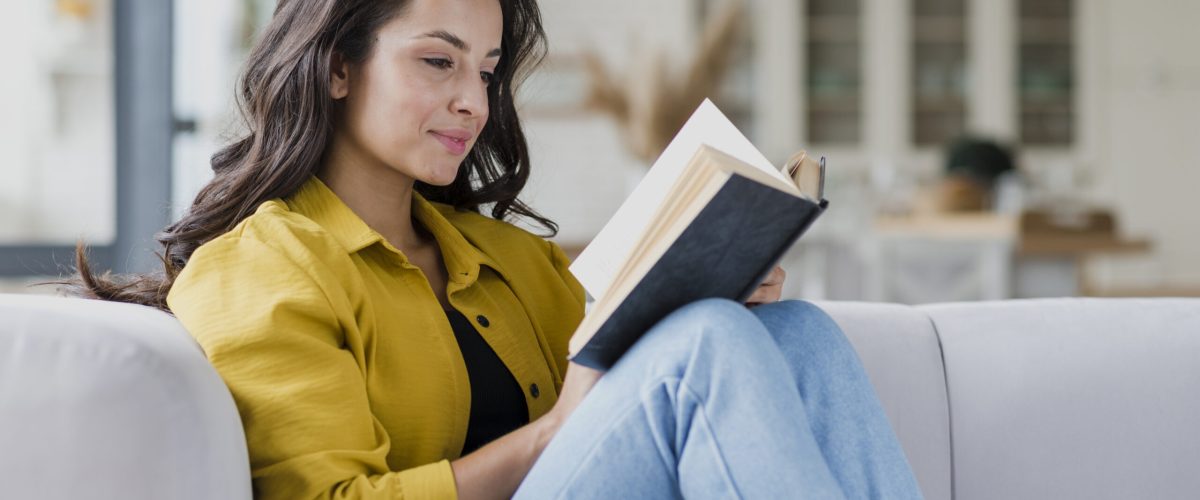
x: 419, y: 101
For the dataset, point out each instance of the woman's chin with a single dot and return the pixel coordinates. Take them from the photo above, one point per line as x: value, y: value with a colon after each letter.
x: 441, y: 177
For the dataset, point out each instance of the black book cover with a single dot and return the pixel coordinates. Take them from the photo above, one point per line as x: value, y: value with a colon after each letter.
x: 725, y: 252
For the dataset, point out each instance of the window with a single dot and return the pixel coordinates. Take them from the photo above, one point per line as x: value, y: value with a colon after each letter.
x: 211, y: 41
x: 58, y: 151
x: 87, y: 150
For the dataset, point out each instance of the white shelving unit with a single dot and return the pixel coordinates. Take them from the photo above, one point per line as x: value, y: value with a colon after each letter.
x: 925, y: 71
x: 887, y: 133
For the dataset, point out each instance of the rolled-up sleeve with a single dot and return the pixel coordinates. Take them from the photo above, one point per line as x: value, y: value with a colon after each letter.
x: 271, y: 332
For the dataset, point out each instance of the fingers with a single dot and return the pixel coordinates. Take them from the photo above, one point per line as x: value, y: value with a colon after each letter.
x: 771, y: 288
x: 765, y: 294
x: 775, y: 277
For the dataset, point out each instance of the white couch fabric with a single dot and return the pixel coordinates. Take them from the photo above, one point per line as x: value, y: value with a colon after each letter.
x: 1045, y: 399
x: 1050, y: 398
x: 111, y: 401
x: 1073, y: 398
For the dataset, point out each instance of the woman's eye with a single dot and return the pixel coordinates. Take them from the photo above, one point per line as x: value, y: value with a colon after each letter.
x: 439, y: 62
x: 487, y: 77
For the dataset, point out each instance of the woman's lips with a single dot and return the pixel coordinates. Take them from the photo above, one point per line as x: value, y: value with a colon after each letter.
x: 455, y: 145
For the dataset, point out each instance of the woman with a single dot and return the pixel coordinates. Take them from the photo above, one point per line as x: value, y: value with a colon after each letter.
x: 383, y: 339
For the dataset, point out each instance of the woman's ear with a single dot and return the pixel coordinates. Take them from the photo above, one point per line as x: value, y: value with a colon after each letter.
x: 339, y: 76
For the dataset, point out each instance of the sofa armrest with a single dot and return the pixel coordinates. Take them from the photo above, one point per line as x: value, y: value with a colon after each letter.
x: 108, y: 400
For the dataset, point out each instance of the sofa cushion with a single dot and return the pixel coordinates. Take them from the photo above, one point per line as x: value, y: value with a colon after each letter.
x: 1073, y: 398
x: 107, y: 400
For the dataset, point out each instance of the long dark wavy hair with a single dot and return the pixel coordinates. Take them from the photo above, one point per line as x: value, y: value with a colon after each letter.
x: 284, y: 99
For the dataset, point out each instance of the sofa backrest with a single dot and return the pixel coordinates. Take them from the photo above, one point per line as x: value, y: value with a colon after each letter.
x: 103, y: 400
x: 1049, y: 398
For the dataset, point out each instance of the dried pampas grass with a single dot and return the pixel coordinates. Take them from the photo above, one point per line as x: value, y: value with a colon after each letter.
x: 650, y: 108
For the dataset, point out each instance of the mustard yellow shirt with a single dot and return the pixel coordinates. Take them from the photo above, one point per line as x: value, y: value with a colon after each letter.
x: 344, y: 368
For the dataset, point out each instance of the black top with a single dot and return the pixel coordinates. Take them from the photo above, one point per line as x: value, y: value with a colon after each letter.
x: 497, y: 403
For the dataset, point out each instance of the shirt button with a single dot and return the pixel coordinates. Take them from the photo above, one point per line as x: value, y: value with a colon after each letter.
x: 482, y: 320
x: 533, y: 390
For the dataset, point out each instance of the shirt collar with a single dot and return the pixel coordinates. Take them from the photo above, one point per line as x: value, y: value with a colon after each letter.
x: 317, y: 202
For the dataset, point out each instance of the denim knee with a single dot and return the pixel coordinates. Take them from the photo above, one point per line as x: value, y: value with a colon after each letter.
x: 719, y: 328
x: 803, y: 329
x: 713, y: 317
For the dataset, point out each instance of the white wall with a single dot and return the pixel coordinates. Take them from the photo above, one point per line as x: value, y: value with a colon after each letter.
x: 581, y: 169
x: 1149, y: 151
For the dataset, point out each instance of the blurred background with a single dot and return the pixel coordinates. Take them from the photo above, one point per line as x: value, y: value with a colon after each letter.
x: 976, y: 149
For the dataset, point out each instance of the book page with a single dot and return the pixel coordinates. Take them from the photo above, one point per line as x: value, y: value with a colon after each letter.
x: 598, y: 264
x: 663, y: 229
x: 808, y: 174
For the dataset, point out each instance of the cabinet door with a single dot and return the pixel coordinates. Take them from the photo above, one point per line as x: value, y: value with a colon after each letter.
x: 1046, y: 76
x: 939, y: 29
x: 833, y: 58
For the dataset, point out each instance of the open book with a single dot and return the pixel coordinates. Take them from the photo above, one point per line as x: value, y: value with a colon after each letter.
x: 710, y: 219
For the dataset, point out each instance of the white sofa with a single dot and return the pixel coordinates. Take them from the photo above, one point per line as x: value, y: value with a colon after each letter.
x: 1053, y: 398
x: 101, y: 400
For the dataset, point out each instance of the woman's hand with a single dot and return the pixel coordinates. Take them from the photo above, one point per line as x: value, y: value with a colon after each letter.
x: 770, y: 290
x: 576, y: 385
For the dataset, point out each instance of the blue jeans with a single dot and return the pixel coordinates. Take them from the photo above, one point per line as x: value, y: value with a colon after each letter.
x: 721, y: 401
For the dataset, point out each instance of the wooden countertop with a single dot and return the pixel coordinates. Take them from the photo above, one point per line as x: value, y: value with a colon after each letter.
x: 987, y: 226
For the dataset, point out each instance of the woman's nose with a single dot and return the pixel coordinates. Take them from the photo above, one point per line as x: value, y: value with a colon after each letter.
x: 471, y: 98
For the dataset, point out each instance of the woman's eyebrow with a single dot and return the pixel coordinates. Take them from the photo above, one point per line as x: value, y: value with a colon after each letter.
x: 457, y: 42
